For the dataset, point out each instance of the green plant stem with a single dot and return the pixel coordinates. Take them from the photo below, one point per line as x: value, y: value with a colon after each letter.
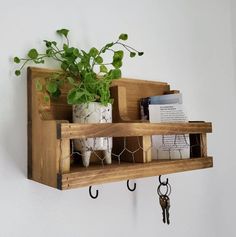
x: 67, y: 40
x: 77, y: 66
x: 26, y: 61
x: 128, y: 47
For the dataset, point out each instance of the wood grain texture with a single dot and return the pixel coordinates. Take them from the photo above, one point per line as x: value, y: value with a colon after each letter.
x: 49, y: 132
x: 133, y: 90
x: 64, y: 154
x: 126, y: 109
x: 72, y: 131
x: 203, y: 144
x: 48, y: 155
x: 43, y: 146
x: 54, y: 109
x: 80, y: 177
x: 126, y: 94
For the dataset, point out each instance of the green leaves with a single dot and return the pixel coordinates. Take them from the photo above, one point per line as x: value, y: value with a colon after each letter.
x: 99, y: 60
x: 72, y: 97
x: 123, y: 36
x: 39, y: 86
x: 79, y: 68
x: 33, y: 54
x: 63, y: 32
x: 118, y: 55
x: 88, y: 77
x: 79, y: 95
x: 106, y: 47
x: 117, y: 64
x: 49, y: 52
x: 65, y: 47
x: 64, y: 65
x: 51, y: 87
x: 76, y: 52
x: 116, y: 73
x: 93, y: 52
x: 132, y: 54
x: 109, y: 45
x: 56, y: 94
x: 17, y: 72
x: 16, y: 60
x: 103, y: 68
x: 48, y: 43
x: 71, y: 80
x: 117, y: 59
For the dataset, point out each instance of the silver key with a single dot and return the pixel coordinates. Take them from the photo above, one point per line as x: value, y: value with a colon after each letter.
x: 163, y: 203
x: 167, y: 209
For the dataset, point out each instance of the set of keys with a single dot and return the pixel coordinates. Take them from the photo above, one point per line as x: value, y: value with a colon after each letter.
x: 164, y: 199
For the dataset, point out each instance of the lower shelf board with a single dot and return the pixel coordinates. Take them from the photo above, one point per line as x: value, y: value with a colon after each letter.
x: 98, y: 174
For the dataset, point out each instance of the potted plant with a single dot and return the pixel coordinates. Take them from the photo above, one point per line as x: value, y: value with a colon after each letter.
x: 89, y: 78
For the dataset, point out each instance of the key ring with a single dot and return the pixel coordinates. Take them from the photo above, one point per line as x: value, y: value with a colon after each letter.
x: 168, y: 189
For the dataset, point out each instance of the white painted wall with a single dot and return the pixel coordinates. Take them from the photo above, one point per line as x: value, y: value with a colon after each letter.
x: 188, y: 43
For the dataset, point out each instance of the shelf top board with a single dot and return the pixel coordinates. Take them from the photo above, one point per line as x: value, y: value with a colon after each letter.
x: 73, y: 130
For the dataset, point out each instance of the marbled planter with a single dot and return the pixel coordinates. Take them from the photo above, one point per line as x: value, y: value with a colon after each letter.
x: 93, y: 112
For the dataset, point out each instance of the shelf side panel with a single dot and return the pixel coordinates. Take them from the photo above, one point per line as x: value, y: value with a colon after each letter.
x: 43, y: 146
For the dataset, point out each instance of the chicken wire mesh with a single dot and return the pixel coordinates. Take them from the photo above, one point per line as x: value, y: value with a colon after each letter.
x: 179, y: 142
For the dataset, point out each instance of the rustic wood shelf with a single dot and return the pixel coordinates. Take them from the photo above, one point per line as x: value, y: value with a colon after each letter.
x: 50, y: 131
x: 97, y: 174
x: 72, y: 131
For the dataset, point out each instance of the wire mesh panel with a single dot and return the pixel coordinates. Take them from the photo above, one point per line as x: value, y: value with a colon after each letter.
x: 123, y: 151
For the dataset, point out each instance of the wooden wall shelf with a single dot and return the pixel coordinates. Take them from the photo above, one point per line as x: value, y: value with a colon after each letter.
x: 72, y: 131
x: 50, y: 131
x: 80, y: 176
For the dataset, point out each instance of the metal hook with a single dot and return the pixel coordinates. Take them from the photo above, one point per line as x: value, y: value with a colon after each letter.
x: 163, y: 183
x: 131, y: 190
x: 90, y: 193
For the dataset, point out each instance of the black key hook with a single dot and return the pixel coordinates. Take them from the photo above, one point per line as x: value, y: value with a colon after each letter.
x: 90, y: 193
x: 131, y: 189
x: 163, y: 183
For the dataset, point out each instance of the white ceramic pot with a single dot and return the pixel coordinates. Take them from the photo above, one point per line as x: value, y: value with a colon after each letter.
x: 93, y: 112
